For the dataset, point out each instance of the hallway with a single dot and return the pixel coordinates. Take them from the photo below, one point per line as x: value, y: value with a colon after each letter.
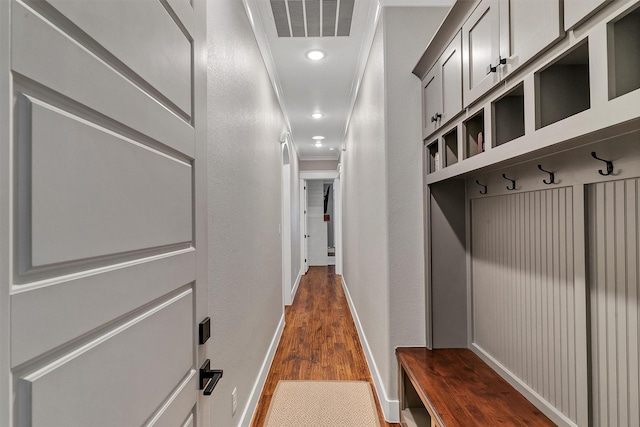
x: 319, y: 341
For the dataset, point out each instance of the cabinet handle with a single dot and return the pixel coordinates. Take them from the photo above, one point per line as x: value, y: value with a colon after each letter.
x: 494, y: 68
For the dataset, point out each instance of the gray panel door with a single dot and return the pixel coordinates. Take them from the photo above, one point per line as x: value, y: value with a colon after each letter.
x: 102, y: 203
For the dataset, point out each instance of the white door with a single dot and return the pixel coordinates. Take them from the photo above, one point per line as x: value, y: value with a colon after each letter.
x: 304, y: 240
x: 103, y: 212
x: 317, y: 250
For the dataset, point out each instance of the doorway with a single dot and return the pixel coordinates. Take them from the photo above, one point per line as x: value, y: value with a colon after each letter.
x: 285, y: 234
x: 320, y: 213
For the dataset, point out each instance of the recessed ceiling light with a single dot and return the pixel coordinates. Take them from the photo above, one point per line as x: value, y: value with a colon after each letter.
x: 318, y: 137
x: 331, y: 149
x: 317, y: 115
x: 316, y: 55
x: 318, y: 144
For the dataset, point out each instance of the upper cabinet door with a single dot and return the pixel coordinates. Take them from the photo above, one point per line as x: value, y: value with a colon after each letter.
x: 527, y: 27
x: 431, y: 101
x: 577, y: 11
x: 451, y: 70
x: 480, y: 50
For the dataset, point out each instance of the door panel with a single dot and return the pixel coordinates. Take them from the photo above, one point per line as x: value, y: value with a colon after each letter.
x: 577, y: 11
x: 432, y: 101
x: 317, y: 228
x: 481, y: 50
x: 527, y: 29
x: 158, y: 51
x: 114, y: 292
x: 121, y: 196
x: 79, y: 77
x: 106, y: 197
x: 95, y: 373
x: 451, y: 66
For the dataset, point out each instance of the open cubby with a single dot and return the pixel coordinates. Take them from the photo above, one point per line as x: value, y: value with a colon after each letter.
x: 474, y: 135
x: 562, y: 88
x: 433, y: 157
x: 451, y: 147
x: 624, y: 54
x: 508, y: 116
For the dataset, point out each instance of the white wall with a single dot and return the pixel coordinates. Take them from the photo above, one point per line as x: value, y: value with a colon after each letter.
x: 408, y: 30
x: 245, y: 123
x: 382, y: 175
x: 296, y: 271
x: 365, y: 224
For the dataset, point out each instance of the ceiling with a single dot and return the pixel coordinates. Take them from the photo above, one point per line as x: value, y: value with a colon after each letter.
x: 328, y: 86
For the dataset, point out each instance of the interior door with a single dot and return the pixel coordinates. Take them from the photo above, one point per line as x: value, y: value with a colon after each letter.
x: 103, y: 255
x: 305, y: 240
x: 317, y: 250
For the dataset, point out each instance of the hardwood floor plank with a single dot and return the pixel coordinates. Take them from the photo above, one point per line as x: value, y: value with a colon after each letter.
x: 319, y: 341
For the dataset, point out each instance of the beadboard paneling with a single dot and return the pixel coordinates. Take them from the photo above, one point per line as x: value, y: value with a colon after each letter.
x: 614, y: 238
x: 523, y: 289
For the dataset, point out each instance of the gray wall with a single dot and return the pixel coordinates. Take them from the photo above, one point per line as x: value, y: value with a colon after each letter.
x: 245, y: 124
x: 383, y: 213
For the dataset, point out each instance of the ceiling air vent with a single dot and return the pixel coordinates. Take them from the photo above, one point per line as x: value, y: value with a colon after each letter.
x: 312, y: 18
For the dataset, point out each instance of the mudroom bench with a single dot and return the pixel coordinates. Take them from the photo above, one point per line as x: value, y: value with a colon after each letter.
x: 454, y: 387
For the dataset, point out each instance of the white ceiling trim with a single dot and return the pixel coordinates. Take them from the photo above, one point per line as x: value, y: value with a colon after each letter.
x: 259, y: 33
x: 363, y: 58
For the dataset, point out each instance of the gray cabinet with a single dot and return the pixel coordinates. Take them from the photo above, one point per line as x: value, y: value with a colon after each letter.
x: 502, y: 35
x: 577, y: 11
x: 526, y: 29
x: 442, y: 88
x: 480, y: 50
x: 431, y: 101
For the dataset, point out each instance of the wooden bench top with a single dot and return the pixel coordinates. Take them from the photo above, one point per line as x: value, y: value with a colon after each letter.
x: 460, y: 389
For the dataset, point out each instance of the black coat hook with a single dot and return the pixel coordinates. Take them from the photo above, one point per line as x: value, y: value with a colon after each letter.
x: 608, y: 162
x: 513, y: 183
x: 482, y: 185
x: 552, y: 176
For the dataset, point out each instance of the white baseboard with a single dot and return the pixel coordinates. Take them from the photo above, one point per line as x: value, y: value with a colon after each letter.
x: 295, y: 286
x: 250, y: 408
x: 390, y: 408
x: 530, y: 394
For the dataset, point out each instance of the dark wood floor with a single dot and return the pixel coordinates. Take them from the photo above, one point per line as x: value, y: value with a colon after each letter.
x: 319, y: 341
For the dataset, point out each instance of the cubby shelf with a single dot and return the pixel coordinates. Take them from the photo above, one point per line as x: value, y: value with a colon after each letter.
x: 474, y: 135
x: 508, y: 116
x: 562, y: 88
x: 624, y: 54
x: 450, y: 141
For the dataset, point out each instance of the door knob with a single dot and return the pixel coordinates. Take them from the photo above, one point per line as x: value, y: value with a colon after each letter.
x: 209, y: 378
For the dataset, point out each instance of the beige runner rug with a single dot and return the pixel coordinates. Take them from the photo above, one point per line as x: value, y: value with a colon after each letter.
x: 322, y: 403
